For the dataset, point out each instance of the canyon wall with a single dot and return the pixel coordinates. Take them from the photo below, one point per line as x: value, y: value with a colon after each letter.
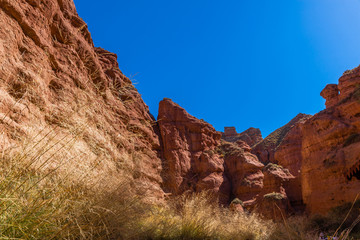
x: 196, y: 159
x: 64, y: 98
x: 330, y: 147
x: 55, y: 86
x: 321, y: 151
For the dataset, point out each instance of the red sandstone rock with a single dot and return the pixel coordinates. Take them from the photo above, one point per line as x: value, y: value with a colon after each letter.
x: 265, y: 149
x: 189, y: 152
x: 323, y: 151
x: 251, y: 136
x: 276, y: 178
x: 273, y: 202
x: 243, y: 145
x: 289, y: 156
x: 236, y: 207
x: 330, y: 93
x: 195, y: 159
x: 244, y: 171
x: 52, y: 77
x: 330, y: 149
x: 274, y: 205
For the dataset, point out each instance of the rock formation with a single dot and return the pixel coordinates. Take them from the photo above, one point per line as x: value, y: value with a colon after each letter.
x: 53, y: 80
x: 195, y: 159
x: 57, y: 87
x: 251, y: 136
x: 265, y: 149
x: 330, y: 147
x: 331, y: 94
x: 321, y: 152
x: 189, y: 152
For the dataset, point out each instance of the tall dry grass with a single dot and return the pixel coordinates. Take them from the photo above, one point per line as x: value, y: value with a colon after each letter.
x: 198, y: 216
x: 38, y: 201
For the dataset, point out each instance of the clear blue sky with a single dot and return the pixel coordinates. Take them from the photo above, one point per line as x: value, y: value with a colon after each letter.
x: 233, y: 62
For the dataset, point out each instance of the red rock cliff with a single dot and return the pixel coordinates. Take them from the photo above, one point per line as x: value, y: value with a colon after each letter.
x: 194, y: 159
x: 331, y: 147
x: 189, y: 152
x: 54, y: 79
x: 322, y: 152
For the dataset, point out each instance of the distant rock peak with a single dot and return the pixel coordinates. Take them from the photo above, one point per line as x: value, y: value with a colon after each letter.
x: 251, y: 136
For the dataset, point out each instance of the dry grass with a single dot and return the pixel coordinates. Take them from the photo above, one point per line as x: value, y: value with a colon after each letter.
x: 198, y: 216
x: 39, y: 200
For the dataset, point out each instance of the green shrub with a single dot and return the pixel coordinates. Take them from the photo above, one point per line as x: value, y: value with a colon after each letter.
x: 237, y: 201
x: 272, y: 166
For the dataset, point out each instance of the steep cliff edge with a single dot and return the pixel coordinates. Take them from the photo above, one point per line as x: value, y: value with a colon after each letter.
x: 330, y: 147
x: 55, y: 84
x: 321, y: 151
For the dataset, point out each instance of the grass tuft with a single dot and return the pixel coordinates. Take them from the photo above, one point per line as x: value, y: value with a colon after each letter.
x: 197, y: 216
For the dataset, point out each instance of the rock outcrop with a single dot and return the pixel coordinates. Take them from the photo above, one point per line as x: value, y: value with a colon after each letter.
x: 321, y: 152
x: 195, y: 159
x: 244, y: 171
x: 251, y: 136
x: 289, y: 155
x: 265, y: 150
x: 189, y: 151
x: 330, y: 148
x: 331, y: 95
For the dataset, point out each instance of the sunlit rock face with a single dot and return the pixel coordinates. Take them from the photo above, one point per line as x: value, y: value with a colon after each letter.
x: 331, y: 95
x: 250, y: 136
x: 195, y: 159
x: 54, y: 79
x: 322, y: 151
x: 331, y: 147
x: 265, y: 150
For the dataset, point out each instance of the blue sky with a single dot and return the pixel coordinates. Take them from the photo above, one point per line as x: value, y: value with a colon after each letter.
x: 233, y: 62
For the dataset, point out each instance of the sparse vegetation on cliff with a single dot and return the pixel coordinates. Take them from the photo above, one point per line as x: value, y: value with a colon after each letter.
x: 273, y: 196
